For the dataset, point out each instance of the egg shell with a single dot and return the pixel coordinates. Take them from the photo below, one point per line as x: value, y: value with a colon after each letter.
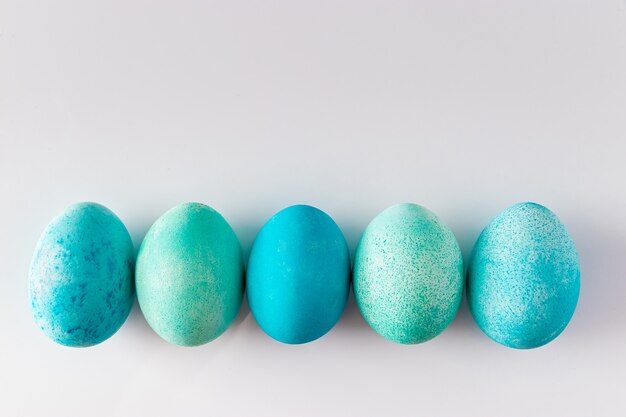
x: 81, y: 277
x: 298, y: 276
x: 408, y: 274
x: 190, y: 275
x: 523, y: 278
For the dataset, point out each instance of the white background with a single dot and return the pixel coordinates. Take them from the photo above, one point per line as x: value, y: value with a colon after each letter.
x: 465, y: 107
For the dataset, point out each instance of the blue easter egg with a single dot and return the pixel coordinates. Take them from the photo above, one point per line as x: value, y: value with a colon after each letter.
x: 298, y: 275
x: 523, y: 278
x: 81, y: 277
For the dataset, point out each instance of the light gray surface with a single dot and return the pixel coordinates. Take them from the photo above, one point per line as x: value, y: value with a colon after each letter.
x: 463, y: 106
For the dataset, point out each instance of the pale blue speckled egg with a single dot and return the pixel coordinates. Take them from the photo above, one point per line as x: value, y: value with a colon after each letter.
x: 523, y: 278
x: 81, y: 277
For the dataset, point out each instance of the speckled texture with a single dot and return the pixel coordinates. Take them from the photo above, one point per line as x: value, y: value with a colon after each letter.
x: 81, y: 277
x: 408, y: 274
x: 523, y: 278
x: 190, y: 275
x: 298, y: 275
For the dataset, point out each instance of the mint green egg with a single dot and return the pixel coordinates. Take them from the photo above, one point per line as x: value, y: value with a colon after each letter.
x: 190, y: 275
x: 408, y: 274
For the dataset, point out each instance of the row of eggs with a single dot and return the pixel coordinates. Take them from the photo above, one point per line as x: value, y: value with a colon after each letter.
x: 523, y: 276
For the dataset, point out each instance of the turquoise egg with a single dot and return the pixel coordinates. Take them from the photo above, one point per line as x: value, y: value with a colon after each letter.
x: 408, y: 274
x: 190, y: 275
x: 81, y: 277
x: 298, y: 276
x: 523, y: 278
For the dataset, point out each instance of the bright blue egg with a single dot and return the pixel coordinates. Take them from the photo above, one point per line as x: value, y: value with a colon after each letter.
x: 523, y: 278
x: 81, y: 277
x: 298, y: 275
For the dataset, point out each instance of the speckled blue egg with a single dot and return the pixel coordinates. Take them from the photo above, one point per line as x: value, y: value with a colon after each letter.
x: 408, y: 274
x: 298, y: 275
x: 81, y: 277
x: 523, y: 279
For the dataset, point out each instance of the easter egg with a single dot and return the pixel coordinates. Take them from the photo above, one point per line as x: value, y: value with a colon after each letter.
x: 190, y: 275
x: 81, y: 285
x: 408, y: 274
x: 298, y: 275
x: 523, y: 278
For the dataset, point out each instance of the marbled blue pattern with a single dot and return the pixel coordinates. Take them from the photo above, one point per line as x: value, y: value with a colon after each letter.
x: 523, y: 278
x: 81, y: 284
x: 298, y: 275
